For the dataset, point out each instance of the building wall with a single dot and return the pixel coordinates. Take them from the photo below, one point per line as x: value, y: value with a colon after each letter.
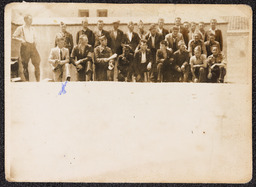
x: 45, y: 41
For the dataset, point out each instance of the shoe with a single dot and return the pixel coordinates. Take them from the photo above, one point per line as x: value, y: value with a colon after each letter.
x: 220, y: 81
x: 68, y: 78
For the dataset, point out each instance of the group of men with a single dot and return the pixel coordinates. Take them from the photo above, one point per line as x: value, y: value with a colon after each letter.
x: 183, y: 54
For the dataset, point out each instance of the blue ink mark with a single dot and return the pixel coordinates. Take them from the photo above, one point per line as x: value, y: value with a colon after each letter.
x: 63, y: 91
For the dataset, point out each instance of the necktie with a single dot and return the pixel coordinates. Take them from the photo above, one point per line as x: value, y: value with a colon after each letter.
x: 60, y: 54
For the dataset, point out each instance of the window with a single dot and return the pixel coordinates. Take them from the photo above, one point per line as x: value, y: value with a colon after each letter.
x: 83, y: 13
x: 102, y: 13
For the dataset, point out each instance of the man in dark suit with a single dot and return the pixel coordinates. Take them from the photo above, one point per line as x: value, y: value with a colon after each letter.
x: 116, y: 36
x: 86, y: 31
x: 101, y: 32
x: 216, y: 32
x: 125, y: 61
x: 164, y: 61
x: 181, y: 63
x: 161, y: 28
x: 143, y: 62
x: 185, y: 34
x: 131, y: 38
x: 211, y: 42
x: 153, y: 40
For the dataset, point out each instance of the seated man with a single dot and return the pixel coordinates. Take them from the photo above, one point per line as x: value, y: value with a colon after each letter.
x: 125, y: 63
x: 181, y: 63
x: 104, y: 61
x: 81, y: 58
x: 211, y: 42
x: 143, y: 62
x: 198, y: 65
x: 164, y: 60
x: 59, y: 60
x: 216, y: 66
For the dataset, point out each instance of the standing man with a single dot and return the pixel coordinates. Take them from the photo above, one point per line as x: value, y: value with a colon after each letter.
x: 217, y: 32
x: 178, y: 24
x: 104, y: 66
x: 59, y: 60
x: 116, y: 36
x: 143, y: 62
x: 173, y: 39
x: 164, y: 60
x: 142, y: 32
x: 181, y: 63
x: 201, y: 31
x: 186, y: 32
x: 100, y: 32
x: 211, y: 42
x: 217, y: 68
x: 132, y: 39
x: 81, y: 58
x: 68, y: 38
x: 194, y: 43
x: 198, y: 64
x: 26, y: 35
x: 161, y: 28
x: 192, y: 31
x: 86, y: 31
x: 153, y: 39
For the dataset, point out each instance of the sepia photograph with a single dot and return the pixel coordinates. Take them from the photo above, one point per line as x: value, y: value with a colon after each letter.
x: 128, y: 93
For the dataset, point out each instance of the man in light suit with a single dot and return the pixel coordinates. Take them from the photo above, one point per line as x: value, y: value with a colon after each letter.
x: 173, y: 39
x: 216, y: 32
x: 59, y: 60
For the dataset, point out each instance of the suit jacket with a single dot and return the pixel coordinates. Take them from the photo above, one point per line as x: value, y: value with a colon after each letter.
x: 141, y: 67
x: 116, y: 42
x: 170, y: 40
x: 68, y: 40
x: 167, y: 60
x: 203, y: 35
x: 158, y: 38
x: 89, y: 34
x: 76, y: 53
x: 208, y: 46
x: 218, y: 37
x: 55, y: 55
x: 164, y: 32
x: 185, y: 35
x: 97, y: 35
x: 134, y: 42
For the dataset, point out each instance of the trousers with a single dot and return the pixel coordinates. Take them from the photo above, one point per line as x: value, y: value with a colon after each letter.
x: 28, y: 51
